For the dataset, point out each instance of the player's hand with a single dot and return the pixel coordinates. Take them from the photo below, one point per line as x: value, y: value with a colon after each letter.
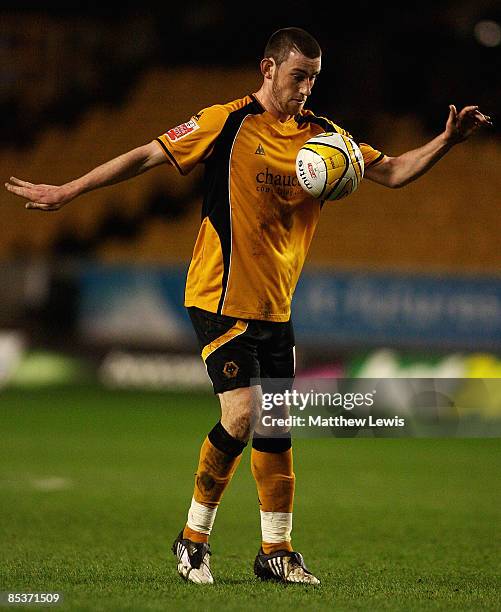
x: 40, y: 197
x: 461, y: 126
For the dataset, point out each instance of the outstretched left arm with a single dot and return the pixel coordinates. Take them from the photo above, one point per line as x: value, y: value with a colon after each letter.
x: 399, y: 171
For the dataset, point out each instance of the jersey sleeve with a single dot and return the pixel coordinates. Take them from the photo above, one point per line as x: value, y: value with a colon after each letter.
x: 189, y: 143
x: 371, y: 156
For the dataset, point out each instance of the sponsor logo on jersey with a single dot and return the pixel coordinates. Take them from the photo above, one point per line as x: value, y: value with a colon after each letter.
x: 267, y: 177
x: 284, y: 185
x: 260, y: 150
x: 182, y: 130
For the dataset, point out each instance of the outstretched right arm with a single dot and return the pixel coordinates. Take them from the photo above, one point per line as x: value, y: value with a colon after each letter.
x: 121, y: 168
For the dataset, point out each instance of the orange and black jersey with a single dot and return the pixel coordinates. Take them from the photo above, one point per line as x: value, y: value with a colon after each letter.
x: 257, y: 221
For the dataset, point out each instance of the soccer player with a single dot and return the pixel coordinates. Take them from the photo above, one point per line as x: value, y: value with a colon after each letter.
x: 257, y: 224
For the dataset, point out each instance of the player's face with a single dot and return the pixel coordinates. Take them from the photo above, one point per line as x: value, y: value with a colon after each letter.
x: 293, y: 81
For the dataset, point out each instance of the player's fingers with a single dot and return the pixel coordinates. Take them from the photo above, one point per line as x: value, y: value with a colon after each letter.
x: 35, y: 205
x: 469, y: 109
x: 40, y: 206
x: 483, y: 118
x: 479, y: 114
x: 16, y: 181
x: 20, y: 191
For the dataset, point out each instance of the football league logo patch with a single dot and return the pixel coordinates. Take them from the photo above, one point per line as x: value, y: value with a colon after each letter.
x: 182, y: 130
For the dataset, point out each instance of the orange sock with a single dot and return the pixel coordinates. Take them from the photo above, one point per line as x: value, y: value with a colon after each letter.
x: 275, y: 480
x: 269, y: 548
x: 215, y: 470
x: 195, y: 536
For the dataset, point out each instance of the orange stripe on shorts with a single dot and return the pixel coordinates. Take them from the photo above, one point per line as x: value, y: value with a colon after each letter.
x: 239, y: 328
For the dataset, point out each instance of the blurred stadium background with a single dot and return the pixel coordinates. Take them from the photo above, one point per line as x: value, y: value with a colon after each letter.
x: 398, y: 283
x: 412, y: 269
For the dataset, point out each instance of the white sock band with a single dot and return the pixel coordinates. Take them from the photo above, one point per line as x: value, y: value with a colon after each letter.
x: 201, y: 518
x: 276, y: 526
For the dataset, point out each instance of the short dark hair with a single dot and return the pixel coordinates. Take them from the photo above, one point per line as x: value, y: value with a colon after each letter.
x: 283, y: 41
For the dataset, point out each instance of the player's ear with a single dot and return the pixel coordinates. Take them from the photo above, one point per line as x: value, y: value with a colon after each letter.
x: 267, y: 67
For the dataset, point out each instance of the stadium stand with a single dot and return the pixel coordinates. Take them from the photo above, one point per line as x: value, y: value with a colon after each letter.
x: 154, y: 218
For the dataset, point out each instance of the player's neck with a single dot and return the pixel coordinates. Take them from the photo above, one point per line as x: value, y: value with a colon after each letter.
x: 266, y: 102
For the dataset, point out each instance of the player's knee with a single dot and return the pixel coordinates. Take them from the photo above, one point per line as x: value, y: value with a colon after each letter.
x: 240, y: 424
x: 240, y: 411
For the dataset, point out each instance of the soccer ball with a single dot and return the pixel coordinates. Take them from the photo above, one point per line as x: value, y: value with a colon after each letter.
x: 329, y: 166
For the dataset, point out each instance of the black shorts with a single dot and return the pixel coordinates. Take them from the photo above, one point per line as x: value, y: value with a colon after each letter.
x: 236, y: 352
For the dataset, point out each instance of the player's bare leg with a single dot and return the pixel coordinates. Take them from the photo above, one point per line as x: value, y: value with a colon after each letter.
x: 219, y: 457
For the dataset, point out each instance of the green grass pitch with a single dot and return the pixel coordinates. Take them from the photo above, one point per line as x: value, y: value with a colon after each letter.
x: 95, y: 485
